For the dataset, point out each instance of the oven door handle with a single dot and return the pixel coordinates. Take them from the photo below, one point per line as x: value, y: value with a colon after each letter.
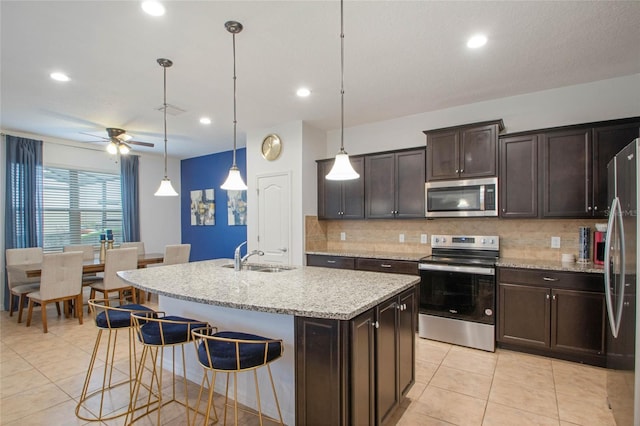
x: 452, y: 268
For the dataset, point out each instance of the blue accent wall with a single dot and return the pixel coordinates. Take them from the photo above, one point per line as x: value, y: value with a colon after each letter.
x: 206, y: 172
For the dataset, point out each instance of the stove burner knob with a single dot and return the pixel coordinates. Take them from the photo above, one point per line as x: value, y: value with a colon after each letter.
x: 444, y: 240
x: 483, y: 241
x: 491, y: 241
x: 437, y: 240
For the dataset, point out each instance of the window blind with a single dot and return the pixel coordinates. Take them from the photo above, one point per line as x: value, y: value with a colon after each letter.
x: 78, y: 206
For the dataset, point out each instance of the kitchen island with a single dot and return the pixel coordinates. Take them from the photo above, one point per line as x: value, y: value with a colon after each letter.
x: 348, y: 335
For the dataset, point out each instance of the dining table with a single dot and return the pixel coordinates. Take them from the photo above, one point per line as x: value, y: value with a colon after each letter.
x: 31, y: 270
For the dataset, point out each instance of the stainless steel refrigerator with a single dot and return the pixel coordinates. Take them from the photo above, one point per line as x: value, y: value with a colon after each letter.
x: 622, y: 297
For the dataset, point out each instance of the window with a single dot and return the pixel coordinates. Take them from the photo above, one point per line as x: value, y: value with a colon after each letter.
x: 78, y: 206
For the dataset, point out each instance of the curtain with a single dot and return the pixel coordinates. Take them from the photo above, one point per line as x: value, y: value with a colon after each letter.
x: 23, y: 202
x: 129, y: 184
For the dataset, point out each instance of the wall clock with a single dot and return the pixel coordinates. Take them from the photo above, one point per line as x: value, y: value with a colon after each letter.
x: 271, y: 147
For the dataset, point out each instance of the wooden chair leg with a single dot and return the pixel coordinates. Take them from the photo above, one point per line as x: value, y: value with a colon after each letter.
x: 29, y: 313
x: 92, y: 295
x: 79, y: 308
x: 20, y: 303
x: 11, y: 302
x: 133, y: 295
x: 58, y: 307
x: 43, y: 309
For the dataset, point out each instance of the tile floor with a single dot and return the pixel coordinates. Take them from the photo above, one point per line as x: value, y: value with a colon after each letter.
x: 41, y: 377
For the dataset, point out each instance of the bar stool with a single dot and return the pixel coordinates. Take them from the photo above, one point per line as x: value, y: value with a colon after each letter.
x: 235, y: 352
x: 110, y: 318
x: 156, y: 334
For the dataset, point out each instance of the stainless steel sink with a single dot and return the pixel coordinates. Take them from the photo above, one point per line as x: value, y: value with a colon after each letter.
x: 261, y: 268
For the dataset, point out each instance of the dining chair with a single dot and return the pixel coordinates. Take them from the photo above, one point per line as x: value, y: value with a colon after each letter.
x: 87, y: 255
x: 122, y: 259
x: 17, y: 282
x: 137, y: 244
x: 61, y: 281
x: 176, y: 253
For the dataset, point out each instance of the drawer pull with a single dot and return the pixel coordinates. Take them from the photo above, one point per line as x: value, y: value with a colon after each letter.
x: 385, y: 265
x: 549, y: 279
x: 331, y: 261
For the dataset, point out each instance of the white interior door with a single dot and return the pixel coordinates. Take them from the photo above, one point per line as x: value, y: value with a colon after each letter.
x: 274, y: 217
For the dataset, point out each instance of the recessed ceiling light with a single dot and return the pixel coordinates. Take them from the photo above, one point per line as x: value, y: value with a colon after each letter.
x: 476, y: 41
x: 59, y: 76
x: 205, y: 120
x: 303, y: 92
x: 153, y: 8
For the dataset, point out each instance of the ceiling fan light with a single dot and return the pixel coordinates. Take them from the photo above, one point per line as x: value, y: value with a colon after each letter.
x: 165, y: 189
x: 124, y: 148
x: 112, y: 148
x: 342, y: 168
x: 234, y: 181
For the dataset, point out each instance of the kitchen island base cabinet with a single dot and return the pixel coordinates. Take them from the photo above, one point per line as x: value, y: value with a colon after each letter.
x: 362, y: 367
x: 558, y: 314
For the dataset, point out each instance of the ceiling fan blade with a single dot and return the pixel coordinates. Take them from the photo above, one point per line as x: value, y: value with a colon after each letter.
x: 95, y: 136
x: 149, y: 144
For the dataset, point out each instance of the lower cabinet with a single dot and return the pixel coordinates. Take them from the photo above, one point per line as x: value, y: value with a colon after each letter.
x: 363, y: 366
x: 559, y: 314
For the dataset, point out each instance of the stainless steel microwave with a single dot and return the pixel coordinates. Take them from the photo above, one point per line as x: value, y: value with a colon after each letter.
x: 462, y: 198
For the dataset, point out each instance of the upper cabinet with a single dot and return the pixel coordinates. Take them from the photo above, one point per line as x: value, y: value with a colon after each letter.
x: 561, y: 172
x: 395, y: 184
x: 518, y: 181
x: 566, y: 173
x: 463, y: 152
x: 341, y: 199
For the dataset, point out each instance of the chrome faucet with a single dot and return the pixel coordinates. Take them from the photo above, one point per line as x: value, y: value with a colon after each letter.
x: 239, y: 261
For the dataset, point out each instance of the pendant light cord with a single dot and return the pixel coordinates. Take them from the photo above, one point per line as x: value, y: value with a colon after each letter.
x: 341, y: 76
x: 165, y: 120
x: 235, y: 122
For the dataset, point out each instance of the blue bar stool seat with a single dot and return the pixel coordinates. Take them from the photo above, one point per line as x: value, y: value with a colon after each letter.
x: 157, y: 334
x: 109, y: 317
x: 235, y: 352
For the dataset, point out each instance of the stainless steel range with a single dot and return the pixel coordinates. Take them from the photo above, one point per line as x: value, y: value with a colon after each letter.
x: 457, y: 290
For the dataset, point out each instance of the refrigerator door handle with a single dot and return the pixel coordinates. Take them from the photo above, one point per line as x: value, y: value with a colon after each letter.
x: 607, y: 270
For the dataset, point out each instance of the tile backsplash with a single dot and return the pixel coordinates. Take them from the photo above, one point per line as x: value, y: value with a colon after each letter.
x: 519, y: 238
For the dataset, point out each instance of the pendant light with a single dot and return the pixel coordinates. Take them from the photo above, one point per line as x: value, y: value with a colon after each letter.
x: 165, y: 189
x: 342, y: 168
x: 234, y: 181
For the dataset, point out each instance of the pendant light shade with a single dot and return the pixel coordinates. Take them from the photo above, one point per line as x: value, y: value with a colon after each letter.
x: 165, y: 189
x: 234, y: 180
x: 342, y: 168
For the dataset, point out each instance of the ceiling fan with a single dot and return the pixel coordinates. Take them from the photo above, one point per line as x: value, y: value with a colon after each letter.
x: 120, y: 142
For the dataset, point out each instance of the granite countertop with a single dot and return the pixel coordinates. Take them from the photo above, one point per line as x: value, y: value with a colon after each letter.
x: 372, y: 255
x: 551, y: 265
x: 304, y: 291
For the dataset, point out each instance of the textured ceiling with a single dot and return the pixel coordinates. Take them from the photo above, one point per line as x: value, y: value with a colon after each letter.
x: 401, y: 58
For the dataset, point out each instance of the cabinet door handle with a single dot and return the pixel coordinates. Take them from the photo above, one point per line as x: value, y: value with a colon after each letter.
x: 461, y: 170
x: 457, y: 171
x: 375, y: 324
x: 385, y: 265
x: 595, y: 208
x: 549, y: 279
x: 331, y: 261
x: 554, y: 297
x: 504, y: 210
x: 589, y: 208
x: 547, y: 297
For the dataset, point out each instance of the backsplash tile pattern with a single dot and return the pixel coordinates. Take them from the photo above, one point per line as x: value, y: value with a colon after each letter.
x: 519, y: 238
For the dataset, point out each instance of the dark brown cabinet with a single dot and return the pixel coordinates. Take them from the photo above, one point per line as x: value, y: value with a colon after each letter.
x: 463, y: 152
x: 559, y: 314
x: 340, y: 199
x: 607, y: 142
x: 519, y: 176
x: 354, y: 372
x: 395, y: 184
x: 339, y: 262
x: 566, y: 173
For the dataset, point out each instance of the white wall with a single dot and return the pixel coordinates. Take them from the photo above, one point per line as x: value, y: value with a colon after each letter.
x: 600, y: 100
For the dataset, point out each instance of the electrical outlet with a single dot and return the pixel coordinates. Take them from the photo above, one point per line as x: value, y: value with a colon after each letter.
x: 555, y: 242
x: 343, y: 236
x: 423, y: 238
x: 401, y: 238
